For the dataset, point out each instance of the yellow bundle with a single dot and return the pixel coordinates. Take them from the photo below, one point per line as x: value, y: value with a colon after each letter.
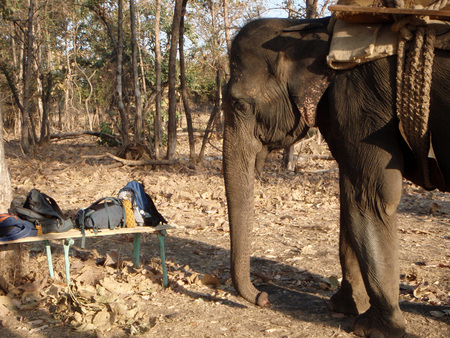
x: 131, y: 222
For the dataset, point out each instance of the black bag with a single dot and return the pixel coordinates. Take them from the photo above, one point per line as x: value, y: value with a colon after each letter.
x: 145, y: 212
x: 11, y: 228
x: 41, y: 209
x: 106, y: 213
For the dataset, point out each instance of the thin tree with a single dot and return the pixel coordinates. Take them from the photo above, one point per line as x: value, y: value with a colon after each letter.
x: 47, y: 82
x: 184, y: 94
x: 119, y: 88
x: 28, y: 138
x: 158, y: 87
x: 226, y: 21
x: 172, y: 125
x: 10, y: 255
x: 216, y: 65
x: 138, y: 126
x: 311, y: 9
x: 5, y: 179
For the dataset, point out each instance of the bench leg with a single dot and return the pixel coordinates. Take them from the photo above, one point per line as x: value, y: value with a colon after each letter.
x: 161, y: 236
x: 136, y: 250
x: 48, y: 251
x: 67, y: 243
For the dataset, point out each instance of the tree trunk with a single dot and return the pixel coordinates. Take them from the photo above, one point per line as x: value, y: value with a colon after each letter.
x: 226, y: 22
x: 311, y: 9
x: 184, y: 93
x: 67, y: 83
x: 216, y: 110
x: 172, y: 113
x: 157, y: 120
x: 5, y: 180
x: 141, y: 61
x: 10, y: 255
x: 47, y: 82
x: 138, y: 126
x: 212, y: 117
x: 217, y: 66
x: 121, y: 106
x: 26, y: 138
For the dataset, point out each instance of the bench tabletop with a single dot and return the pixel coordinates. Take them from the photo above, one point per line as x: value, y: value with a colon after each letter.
x: 76, y: 233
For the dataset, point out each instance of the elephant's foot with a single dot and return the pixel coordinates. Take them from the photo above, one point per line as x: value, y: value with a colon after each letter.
x: 374, y: 324
x: 346, y: 302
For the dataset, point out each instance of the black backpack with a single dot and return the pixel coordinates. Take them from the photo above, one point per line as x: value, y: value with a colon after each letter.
x: 106, y: 213
x: 41, y: 209
x: 12, y: 227
x: 145, y: 212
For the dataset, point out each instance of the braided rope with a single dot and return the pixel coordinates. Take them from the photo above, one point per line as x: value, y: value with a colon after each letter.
x: 440, y: 4
x: 414, y: 69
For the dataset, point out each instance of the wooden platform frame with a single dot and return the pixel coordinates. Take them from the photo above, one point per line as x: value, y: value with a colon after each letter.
x: 345, y: 10
x: 68, y: 237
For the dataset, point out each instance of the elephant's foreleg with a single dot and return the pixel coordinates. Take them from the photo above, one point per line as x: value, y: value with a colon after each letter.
x: 368, y: 203
x: 260, y: 160
x: 239, y: 171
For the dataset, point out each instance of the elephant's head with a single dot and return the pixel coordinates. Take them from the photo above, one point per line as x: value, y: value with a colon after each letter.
x: 278, y: 75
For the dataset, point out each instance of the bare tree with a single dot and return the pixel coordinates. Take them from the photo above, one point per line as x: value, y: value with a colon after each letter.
x: 138, y: 127
x: 172, y: 126
x: 5, y: 180
x: 217, y: 102
x: 184, y: 93
x: 158, y: 87
x: 121, y: 106
x: 311, y: 9
x: 226, y: 21
x: 28, y: 136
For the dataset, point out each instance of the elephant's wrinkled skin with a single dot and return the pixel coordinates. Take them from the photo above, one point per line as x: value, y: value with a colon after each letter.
x: 273, y: 79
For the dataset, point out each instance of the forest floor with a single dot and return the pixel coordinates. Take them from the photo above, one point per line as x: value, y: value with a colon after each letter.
x: 295, y: 252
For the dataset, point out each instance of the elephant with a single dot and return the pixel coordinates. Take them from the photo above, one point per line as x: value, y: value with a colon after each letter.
x: 280, y: 86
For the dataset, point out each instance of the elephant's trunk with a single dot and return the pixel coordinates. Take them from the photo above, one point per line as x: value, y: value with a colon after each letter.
x: 239, y: 173
x: 240, y: 273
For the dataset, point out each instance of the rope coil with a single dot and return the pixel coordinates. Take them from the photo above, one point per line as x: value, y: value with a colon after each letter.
x: 414, y: 76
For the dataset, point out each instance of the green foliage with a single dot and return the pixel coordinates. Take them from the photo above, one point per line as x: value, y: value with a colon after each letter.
x: 107, y: 128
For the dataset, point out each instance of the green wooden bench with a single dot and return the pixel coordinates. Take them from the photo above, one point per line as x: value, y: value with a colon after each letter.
x: 68, y: 237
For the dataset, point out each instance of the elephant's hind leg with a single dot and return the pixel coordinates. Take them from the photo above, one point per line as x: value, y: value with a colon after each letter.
x: 351, y: 298
x: 369, y: 198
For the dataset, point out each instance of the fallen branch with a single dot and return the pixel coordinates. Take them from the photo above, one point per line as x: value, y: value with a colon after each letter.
x: 317, y: 157
x: 83, y: 132
x: 141, y: 162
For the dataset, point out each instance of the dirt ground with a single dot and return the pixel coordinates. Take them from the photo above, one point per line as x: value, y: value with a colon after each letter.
x: 295, y: 252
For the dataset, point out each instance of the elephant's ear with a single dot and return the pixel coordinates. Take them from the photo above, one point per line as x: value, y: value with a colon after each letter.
x: 301, y: 64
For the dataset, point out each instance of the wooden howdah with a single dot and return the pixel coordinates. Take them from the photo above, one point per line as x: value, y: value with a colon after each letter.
x: 370, y: 11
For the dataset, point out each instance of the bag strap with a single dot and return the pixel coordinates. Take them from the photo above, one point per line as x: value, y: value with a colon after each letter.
x: 23, y: 229
x: 82, y: 228
x: 30, y: 213
x: 153, y: 211
x: 4, y: 217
